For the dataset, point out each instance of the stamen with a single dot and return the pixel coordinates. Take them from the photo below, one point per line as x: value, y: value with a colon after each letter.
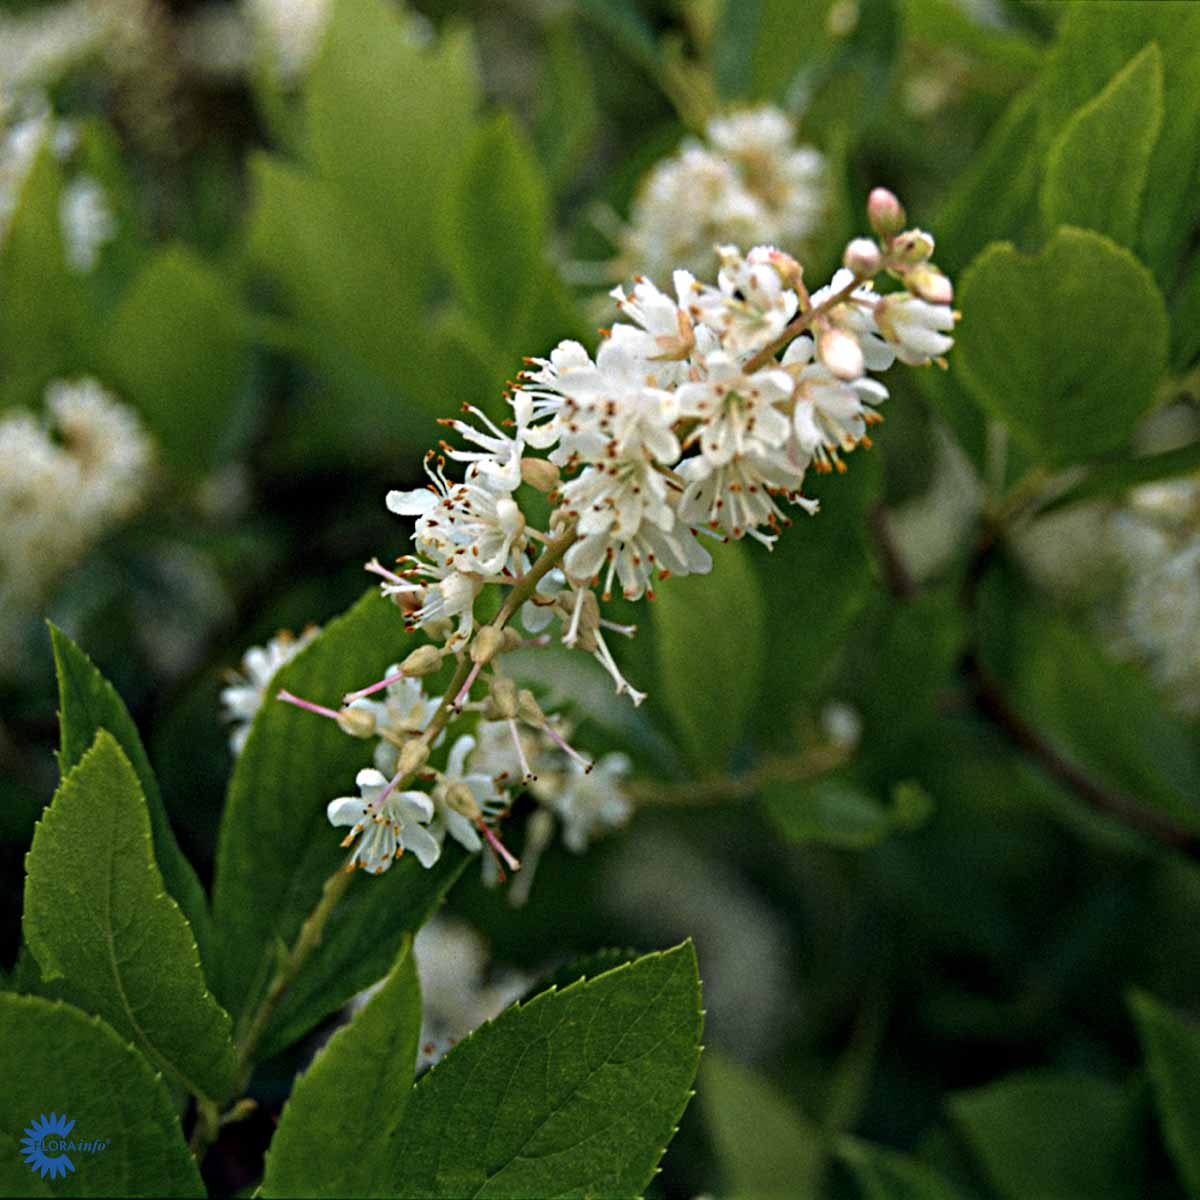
x: 572, y: 634
x: 386, y: 681
x: 377, y: 568
x: 498, y: 847
x: 307, y: 705
x: 527, y: 775
x: 465, y: 690
x: 561, y: 742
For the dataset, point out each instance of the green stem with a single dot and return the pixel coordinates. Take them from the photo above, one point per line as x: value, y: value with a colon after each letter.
x: 335, y: 886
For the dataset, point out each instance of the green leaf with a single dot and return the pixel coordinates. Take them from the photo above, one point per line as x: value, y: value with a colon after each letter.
x: 1065, y: 347
x: 1054, y: 1136
x: 1113, y: 478
x: 709, y: 693
x: 567, y: 115
x: 1097, y: 166
x: 835, y: 810
x: 1104, y: 715
x: 96, y: 914
x: 575, y: 1093
x: 1171, y: 1045
x: 1185, y: 316
x: 277, y: 849
x: 761, y: 44
x: 884, y: 1175
x: 43, y: 320
x: 388, y: 121
x: 495, y: 228
x: 996, y: 196
x: 339, y: 1132
x: 177, y: 350
x: 67, y: 1062
x: 766, y: 1146
x: 87, y: 703
x: 1095, y: 41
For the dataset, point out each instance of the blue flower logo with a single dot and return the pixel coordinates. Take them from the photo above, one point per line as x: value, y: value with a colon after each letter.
x: 40, y: 1147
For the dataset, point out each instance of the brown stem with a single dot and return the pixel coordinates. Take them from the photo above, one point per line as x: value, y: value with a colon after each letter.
x: 798, y: 326
x: 895, y: 570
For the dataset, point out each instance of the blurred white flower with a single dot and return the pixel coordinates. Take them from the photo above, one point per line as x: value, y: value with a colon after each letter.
x: 246, y: 690
x: 87, y: 222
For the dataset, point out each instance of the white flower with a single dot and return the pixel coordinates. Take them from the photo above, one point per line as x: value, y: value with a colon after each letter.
x: 482, y: 787
x: 591, y: 802
x: 830, y: 415
x: 450, y: 597
x: 247, y: 688
x: 290, y: 32
x: 855, y: 316
x: 737, y: 413
x: 738, y: 497
x: 87, y: 222
x: 473, y: 526
x: 750, y: 306
x: 915, y: 327
x: 405, y: 712
x: 386, y: 824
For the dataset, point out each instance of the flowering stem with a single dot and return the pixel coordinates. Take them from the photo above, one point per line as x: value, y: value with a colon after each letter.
x: 798, y: 326
x: 335, y: 886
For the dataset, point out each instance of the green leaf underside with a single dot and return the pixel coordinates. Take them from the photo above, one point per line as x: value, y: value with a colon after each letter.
x: 97, y: 915
x: 87, y: 703
x: 1065, y: 347
x: 1097, y: 166
x: 575, y: 1093
x: 1057, y: 1137
x: 1171, y: 1045
x: 68, y: 1062
x: 339, y: 1132
x: 710, y: 694
x: 277, y: 848
x: 768, y: 1149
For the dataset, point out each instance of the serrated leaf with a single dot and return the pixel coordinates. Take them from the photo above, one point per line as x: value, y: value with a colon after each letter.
x: 87, y: 703
x: 710, y: 634
x: 495, y: 226
x: 1046, y: 346
x: 277, y: 849
x: 574, y: 1094
x: 339, y: 1132
x: 388, y: 120
x: 768, y: 1149
x: 68, y: 1062
x: 885, y: 1175
x: 1171, y: 1045
x: 1096, y: 168
x: 177, y: 352
x: 96, y: 914
x: 1054, y: 1136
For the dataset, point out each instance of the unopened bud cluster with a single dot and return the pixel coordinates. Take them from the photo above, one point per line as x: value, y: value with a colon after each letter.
x: 698, y: 417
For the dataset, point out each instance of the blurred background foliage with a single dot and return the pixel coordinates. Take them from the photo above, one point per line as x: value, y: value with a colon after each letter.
x: 961, y: 964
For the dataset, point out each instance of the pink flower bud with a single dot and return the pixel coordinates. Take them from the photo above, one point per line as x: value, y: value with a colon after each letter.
x: 885, y: 213
x: 841, y: 353
x: 862, y: 258
x: 927, y: 282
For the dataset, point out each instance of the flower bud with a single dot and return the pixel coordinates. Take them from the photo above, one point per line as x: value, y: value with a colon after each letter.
x: 912, y: 247
x: 409, y: 602
x: 539, y: 473
x: 528, y: 708
x: 841, y: 353
x: 357, y: 722
x: 461, y: 799
x: 885, y: 213
x: 502, y: 698
x: 862, y: 258
x: 422, y: 660
x: 412, y: 756
x: 927, y: 282
x: 487, y: 644
x: 512, y: 639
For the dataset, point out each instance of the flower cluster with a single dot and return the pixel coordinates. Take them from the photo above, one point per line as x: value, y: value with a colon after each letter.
x: 63, y: 483
x: 747, y: 181
x: 698, y: 417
